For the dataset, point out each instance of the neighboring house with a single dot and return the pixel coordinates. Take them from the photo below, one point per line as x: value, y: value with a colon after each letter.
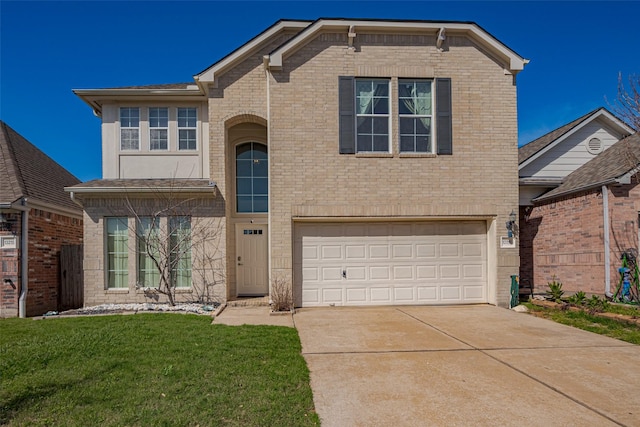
x: 558, y: 236
x: 351, y: 162
x: 36, y: 219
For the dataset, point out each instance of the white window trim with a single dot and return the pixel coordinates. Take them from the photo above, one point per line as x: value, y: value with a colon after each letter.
x: 418, y: 116
x: 165, y: 128
x: 389, y: 115
x: 179, y: 128
x: 129, y: 127
x: 106, y: 265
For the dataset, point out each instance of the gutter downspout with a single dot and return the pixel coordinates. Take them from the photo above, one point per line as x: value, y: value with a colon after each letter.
x: 267, y: 73
x: 24, y: 258
x: 607, y: 254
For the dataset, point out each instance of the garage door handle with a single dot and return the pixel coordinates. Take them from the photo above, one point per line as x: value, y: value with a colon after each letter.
x: 344, y: 274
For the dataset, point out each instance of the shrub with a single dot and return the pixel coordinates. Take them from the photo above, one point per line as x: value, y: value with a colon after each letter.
x: 579, y: 298
x: 555, y: 291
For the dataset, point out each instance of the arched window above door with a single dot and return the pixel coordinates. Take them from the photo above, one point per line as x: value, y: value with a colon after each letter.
x: 252, y: 179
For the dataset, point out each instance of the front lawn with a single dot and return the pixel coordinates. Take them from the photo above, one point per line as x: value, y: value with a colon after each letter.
x: 150, y: 370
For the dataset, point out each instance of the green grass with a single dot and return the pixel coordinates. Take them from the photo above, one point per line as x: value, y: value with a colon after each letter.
x: 621, y: 330
x: 151, y: 370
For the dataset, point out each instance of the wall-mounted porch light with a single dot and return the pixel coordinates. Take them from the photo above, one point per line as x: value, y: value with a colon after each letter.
x: 511, y: 224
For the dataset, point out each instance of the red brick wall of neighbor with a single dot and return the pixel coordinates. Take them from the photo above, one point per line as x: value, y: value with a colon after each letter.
x: 47, y: 233
x: 565, y: 238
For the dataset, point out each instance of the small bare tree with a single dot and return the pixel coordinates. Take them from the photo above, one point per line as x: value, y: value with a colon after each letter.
x: 177, y: 244
x: 627, y: 103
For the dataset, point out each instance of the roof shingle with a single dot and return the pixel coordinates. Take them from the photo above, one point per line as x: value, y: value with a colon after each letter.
x: 25, y: 171
x: 614, y: 162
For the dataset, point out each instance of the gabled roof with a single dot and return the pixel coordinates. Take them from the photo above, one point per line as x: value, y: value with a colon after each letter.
x: 25, y: 171
x: 534, y: 149
x: 513, y: 62
x: 614, y: 165
x: 308, y: 30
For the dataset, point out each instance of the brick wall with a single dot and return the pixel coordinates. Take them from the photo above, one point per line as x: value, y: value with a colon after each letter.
x: 47, y: 233
x: 565, y: 238
x: 307, y: 173
x: 208, y: 272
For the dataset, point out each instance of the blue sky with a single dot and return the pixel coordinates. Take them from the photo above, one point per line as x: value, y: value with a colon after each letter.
x: 49, y: 48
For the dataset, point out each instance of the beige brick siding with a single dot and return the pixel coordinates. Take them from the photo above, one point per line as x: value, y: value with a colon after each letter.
x: 308, y: 176
x: 208, y: 271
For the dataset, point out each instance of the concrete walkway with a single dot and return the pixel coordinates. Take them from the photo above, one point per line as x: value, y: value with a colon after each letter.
x: 462, y: 366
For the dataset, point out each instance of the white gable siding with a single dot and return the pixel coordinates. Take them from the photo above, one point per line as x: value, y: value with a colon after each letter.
x: 571, y: 153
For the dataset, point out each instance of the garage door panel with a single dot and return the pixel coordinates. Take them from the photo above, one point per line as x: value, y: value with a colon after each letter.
x: 330, y: 274
x: 427, y: 294
x: 448, y: 250
x: 404, y: 294
x: 379, y: 273
x: 310, y: 274
x: 379, y: 251
x: 332, y: 295
x: 473, y: 271
x: 426, y: 272
x: 402, y: 251
x: 450, y: 293
x: 425, y: 250
x: 357, y: 295
x: 355, y: 251
x: 392, y: 263
x: 450, y: 271
x: 331, y: 252
x: 380, y: 295
x: 356, y: 273
x: 403, y: 272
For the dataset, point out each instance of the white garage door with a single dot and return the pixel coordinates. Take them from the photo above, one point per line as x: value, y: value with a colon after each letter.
x: 391, y: 263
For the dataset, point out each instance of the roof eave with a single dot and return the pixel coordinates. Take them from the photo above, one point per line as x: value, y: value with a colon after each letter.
x: 208, y: 76
x: 95, y: 97
x: 586, y: 187
x: 514, y: 61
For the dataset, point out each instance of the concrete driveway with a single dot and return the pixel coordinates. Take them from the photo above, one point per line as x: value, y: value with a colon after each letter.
x: 467, y: 365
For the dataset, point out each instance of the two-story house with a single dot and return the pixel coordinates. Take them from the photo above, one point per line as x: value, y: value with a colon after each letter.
x: 353, y: 162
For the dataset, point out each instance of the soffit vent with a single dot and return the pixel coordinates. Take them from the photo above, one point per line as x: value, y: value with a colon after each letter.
x: 594, y: 146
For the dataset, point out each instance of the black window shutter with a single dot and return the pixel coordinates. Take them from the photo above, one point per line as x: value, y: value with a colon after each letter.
x: 347, y: 115
x: 443, y: 116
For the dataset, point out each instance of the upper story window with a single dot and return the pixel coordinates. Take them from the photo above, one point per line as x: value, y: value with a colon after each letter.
x: 252, y: 182
x: 415, y: 111
x: 158, y: 128
x: 372, y: 115
x: 129, y: 128
x: 424, y: 115
x: 187, y: 120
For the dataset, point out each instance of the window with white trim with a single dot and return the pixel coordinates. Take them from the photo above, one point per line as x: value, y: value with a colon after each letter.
x: 372, y: 115
x: 117, y: 251
x: 415, y: 108
x: 129, y: 128
x: 158, y: 128
x: 180, y: 251
x: 149, y: 251
x: 187, y: 122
